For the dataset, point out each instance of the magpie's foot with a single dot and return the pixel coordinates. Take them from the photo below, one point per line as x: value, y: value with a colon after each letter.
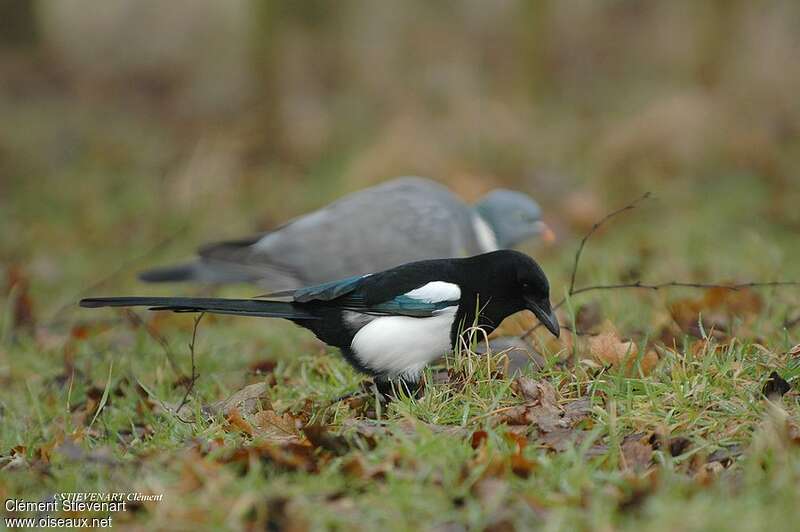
x: 389, y: 390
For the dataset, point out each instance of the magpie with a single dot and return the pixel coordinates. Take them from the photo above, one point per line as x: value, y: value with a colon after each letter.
x: 391, y: 324
x: 403, y: 220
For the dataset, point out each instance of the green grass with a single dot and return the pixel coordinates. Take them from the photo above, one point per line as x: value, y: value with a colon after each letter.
x: 420, y: 470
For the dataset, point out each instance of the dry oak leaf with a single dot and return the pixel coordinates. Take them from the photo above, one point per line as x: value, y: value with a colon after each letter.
x: 270, y: 426
x: 608, y: 349
x: 541, y: 408
x: 246, y: 400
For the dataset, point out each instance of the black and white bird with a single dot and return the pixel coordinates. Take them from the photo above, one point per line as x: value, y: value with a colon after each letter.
x: 403, y: 220
x: 393, y: 323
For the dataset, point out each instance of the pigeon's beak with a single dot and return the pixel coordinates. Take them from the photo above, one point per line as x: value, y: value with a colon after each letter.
x: 545, y: 315
x: 545, y: 233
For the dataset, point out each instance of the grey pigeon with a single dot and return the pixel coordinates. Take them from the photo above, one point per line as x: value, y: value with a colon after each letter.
x: 403, y: 220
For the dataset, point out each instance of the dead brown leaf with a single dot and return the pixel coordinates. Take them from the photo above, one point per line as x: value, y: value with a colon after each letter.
x: 246, y: 400
x: 236, y: 421
x: 588, y: 317
x: 322, y: 438
x: 356, y: 466
x: 373, y: 429
x: 479, y: 437
x: 717, y: 307
x: 276, y: 428
x: 637, y: 455
x: 608, y: 349
x: 555, y: 423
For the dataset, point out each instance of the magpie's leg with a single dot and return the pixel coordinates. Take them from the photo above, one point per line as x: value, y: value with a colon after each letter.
x: 392, y: 389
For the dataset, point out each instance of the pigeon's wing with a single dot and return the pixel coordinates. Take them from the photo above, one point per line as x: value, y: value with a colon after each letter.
x: 405, y: 220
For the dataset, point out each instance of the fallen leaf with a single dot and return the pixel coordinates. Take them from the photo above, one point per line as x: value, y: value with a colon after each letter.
x: 479, y: 437
x: 541, y: 408
x: 678, y: 446
x: 321, y: 438
x: 725, y: 456
x: 716, y: 310
x: 356, y: 466
x: 608, y: 349
x: 534, y: 391
x: 281, y: 515
x: 637, y: 455
x: 775, y: 386
x: 708, y: 473
x: 560, y: 440
x: 372, y: 429
x: 588, y: 317
x: 270, y: 426
x: 246, y: 400
x: 236, y: 420
x: 521, y: 466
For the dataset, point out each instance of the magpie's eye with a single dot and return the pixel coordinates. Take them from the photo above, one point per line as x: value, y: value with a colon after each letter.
x: 526, y: 285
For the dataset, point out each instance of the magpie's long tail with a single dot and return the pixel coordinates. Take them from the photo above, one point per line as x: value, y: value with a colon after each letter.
x: 238, y: 307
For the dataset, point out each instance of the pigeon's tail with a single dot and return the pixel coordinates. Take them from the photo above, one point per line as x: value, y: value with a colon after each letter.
x: 171, y: 274
x: 238, y: 307
x: 206, y: 272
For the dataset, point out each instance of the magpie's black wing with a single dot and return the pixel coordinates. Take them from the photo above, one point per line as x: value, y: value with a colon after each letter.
x: 409, y: 290
x: 323, y: 292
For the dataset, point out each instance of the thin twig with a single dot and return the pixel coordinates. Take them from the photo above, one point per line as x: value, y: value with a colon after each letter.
x: 594, y: 228
x: 649, y: 286
x: 681, y: 284
x: 195, y: 375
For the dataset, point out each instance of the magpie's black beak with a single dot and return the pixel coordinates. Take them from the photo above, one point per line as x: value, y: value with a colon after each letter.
x: 545, y: 314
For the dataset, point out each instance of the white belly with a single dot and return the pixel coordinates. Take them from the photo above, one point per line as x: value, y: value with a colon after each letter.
x: 400, y: 346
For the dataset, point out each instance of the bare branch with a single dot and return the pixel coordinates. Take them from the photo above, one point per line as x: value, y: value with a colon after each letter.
x: 594, y: 228
x: 681, y: 284
x: 650, y: 286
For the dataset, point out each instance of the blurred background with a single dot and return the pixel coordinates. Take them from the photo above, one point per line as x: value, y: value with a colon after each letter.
x: 132, y: 131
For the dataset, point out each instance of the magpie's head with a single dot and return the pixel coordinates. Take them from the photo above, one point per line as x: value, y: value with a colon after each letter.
x: 514, y: 217
x: 523, y: 283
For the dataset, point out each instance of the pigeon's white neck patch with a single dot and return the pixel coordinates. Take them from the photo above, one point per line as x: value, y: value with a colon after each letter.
x: 436, y: 292
x: 487, y: 240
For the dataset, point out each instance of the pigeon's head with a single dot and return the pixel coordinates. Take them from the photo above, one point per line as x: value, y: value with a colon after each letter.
x: 513, y: 216
x: 521, y: 284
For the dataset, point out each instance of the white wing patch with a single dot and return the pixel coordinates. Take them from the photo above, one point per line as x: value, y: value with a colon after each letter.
x: 436, y: 292
x: 400, y: 346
